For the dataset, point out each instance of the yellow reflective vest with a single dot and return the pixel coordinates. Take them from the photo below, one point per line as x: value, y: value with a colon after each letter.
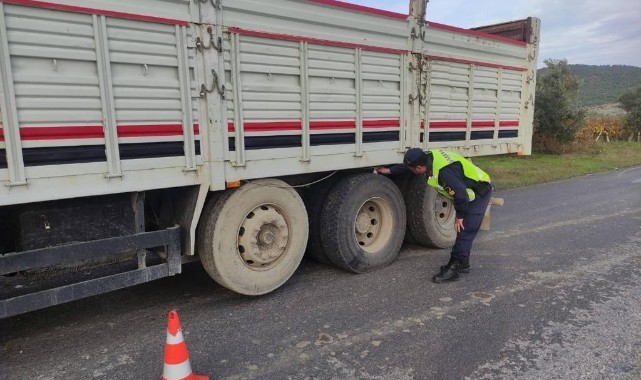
x: 471, y: 171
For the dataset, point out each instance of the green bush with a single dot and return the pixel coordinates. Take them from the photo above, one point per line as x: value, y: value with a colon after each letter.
x: 631, y: 102
x: 557, y: 115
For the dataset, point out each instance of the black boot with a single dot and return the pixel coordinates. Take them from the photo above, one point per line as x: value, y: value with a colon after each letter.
x: 449, y: 272
x: 463, y: 267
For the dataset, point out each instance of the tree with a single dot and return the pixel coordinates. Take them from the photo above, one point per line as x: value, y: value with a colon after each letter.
x: 557, y: 115
x: 631, y: 102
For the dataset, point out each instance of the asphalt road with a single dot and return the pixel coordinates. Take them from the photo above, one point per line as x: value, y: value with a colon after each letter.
x: 554, y: 293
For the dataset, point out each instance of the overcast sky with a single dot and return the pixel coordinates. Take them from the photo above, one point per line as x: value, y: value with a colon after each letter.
x: 592, y: 32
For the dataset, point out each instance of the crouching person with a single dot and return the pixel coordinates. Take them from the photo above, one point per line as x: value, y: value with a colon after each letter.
x: 467, y: 185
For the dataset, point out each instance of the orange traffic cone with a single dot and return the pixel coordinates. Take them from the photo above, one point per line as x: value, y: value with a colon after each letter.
x: 177, y: 366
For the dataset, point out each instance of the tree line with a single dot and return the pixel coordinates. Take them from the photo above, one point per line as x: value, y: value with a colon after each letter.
x: 559, y: 115
x: 604, y: 83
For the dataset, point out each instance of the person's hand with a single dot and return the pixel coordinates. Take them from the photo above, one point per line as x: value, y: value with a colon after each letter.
x: 458, y: 225
x: 383, y: 170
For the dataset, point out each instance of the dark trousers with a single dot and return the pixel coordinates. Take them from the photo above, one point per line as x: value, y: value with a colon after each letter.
x: 471, y: 223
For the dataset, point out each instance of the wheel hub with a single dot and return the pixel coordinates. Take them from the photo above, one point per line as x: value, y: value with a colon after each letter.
x: 443, y: 210
x: 266, y: 235
x: 373, y: 226
x: 263, y: 237
x: 363, y: 222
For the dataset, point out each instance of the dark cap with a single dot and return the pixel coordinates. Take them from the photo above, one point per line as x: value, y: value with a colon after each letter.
x: 415, y: 157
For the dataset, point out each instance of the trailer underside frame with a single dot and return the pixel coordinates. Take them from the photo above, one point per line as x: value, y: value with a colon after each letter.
x: 86, y: 251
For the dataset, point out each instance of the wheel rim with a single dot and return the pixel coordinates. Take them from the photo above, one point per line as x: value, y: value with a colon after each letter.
x: 373, y: 226
x: 263, y: 237
x: 444, y: 211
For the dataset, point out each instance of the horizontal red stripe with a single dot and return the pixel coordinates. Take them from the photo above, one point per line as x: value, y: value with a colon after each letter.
x: 475, y: 124
x: 448, y: 124
x: 288, y: 37
x: 313, y: 125
x: 61, y: 133
x: 475, y: 33
x: 176, y: 353
x: 361, y: 8
x: 478, y: 63
x: 150, y: 130
x: 381, y: 123
x: 96, y: 131
x: 270, y: 126
x: 483, y: 124
x: 153, y: 130
x: 103, y: 12
x: 275, y: 126
x: 297, y: 125
x: 332, y: 124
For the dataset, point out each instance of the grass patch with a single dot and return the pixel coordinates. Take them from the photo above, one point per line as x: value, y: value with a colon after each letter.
x: 511, y: 171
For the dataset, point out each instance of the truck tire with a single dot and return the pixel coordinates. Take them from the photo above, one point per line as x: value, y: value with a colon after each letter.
x: 252, y: 239
x: 430, y: 216
x: 314, y: 201
x: 363, y: 222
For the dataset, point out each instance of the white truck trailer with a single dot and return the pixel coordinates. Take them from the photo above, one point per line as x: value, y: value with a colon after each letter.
x: 139, y: 135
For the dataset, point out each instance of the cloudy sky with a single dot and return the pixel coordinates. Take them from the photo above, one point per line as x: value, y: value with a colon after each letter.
x: 592, y: 32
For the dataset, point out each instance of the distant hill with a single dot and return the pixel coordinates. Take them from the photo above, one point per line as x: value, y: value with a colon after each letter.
x: 604, y: 84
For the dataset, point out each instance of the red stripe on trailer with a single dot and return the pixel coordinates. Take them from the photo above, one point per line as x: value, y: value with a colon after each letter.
x: 463, y: 123
x: 478, y: 63
x: 475, y: 33
x: 382, y: 123
x: 28, y: 133
x: 1, y: 134
x: 448, y: 124
x: 62, y: 133
x: 361, y: 8
x: 483, y: 124
x: 332, y: 124
x: 273, y: 125
x: 102, y: 12
x: 150, y: 130
x: 475, y: 124
x: 153, y: 130
x: 288, y: 37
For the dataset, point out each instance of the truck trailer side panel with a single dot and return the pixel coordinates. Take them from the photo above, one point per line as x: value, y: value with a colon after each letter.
x: 312, y: 87
x: 90, y: 99
x: 480, y: 90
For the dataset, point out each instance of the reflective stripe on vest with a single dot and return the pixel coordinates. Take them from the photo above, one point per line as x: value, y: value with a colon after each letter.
x: 441, y: 159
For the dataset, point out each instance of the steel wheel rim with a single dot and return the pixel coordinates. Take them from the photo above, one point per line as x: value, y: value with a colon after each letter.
x: 373, y: 225
x: 444, y: 211
x: 263, y: 237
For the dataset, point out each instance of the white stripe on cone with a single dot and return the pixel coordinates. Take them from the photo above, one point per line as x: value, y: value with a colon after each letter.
x: 177, y: 371
x: 175, y: 339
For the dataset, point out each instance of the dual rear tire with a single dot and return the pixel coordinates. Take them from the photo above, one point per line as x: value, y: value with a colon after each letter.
x: 252, y: 239
x: 362, y: 223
